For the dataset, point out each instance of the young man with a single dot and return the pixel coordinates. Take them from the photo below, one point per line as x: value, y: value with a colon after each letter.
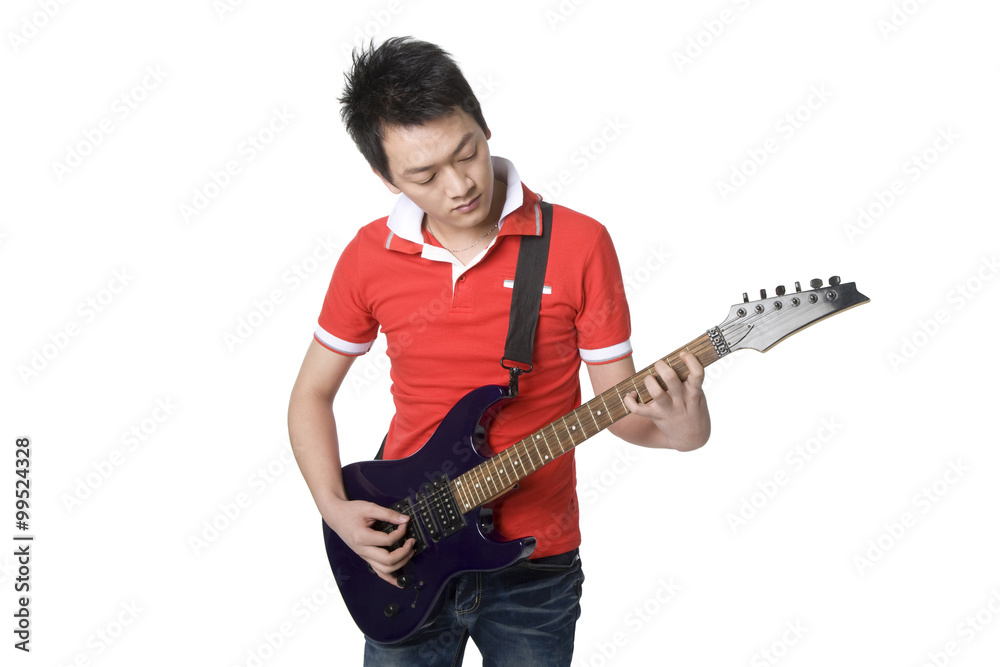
x: 435, y: 277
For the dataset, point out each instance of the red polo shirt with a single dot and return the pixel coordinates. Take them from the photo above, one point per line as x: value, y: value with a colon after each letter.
x: 446, y: 324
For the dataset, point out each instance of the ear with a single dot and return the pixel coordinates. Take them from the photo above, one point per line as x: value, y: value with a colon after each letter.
x: 488, y: 133
x: 392, y: 188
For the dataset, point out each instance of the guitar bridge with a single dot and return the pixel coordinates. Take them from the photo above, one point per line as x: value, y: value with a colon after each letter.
x: 438, y: 509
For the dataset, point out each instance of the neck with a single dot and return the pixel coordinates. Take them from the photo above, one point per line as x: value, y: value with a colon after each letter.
x: 498, y: 475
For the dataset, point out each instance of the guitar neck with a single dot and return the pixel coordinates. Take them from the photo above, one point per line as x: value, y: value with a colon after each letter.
x: 495, y: 477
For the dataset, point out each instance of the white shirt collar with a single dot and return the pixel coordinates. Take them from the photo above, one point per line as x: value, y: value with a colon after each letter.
x: 406, y: 218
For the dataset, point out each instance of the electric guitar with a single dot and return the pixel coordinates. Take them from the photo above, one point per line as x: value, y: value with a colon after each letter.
x: 444, y: 486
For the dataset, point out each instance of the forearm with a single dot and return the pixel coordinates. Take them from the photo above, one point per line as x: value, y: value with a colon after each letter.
x: 640, y: 431
x: 675, y: 419
x: 312, y: 430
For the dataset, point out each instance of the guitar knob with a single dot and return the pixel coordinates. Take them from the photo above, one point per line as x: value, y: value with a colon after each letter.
x: 834, y: 281
x: 780, y: 290
x: 815, y: 283
x: 404, y: 580
x: 391, y: 609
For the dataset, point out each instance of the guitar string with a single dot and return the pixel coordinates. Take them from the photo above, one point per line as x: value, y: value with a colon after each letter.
x: 436, y: 500
x: 771, y: 317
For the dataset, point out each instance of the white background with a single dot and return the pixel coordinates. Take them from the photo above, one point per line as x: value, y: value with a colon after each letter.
x: 903, y: 385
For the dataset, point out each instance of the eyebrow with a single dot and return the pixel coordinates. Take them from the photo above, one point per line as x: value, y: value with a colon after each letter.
x: 416, y: 170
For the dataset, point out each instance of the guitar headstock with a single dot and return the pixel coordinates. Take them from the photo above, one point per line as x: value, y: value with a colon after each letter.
x: 762, y: 324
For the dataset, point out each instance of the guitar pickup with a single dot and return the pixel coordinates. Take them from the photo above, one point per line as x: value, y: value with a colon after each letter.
x: 412, y: 530
x: 438, y: 509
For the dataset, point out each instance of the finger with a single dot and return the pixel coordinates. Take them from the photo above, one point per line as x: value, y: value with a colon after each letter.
x: 383, y: 560
x: 669, y: 378
x: 696, y: 372
x: 378, y: 513
x: 634, y: 406
x: 387, y: 563
x: 654, y: 385
x: 657, y: 393
x: 380, y: 538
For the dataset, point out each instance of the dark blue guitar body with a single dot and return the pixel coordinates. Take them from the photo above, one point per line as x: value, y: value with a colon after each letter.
x: 447, y: 546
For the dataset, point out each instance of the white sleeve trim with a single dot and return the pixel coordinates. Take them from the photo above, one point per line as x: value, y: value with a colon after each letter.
x: 341, y: 345
x: 606, y: 353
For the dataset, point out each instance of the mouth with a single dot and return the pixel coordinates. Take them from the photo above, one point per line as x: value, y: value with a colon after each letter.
x: 465, y: 208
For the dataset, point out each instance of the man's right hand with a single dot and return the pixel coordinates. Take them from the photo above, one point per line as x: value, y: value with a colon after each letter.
x: 352, y: 520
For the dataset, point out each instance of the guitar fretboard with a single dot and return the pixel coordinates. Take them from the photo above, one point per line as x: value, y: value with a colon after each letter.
x: 493, y: 478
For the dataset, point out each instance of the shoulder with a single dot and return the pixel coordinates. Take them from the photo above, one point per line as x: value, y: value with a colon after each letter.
x: 375, y: 233
x: 578, y: 231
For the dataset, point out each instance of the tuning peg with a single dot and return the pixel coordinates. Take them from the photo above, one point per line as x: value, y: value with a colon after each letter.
x: 834, y: 281
x: 798, y: 286
x: 746, y: 299
x: 763, y: 294
x: 780, y: 290
x: 815, y: 283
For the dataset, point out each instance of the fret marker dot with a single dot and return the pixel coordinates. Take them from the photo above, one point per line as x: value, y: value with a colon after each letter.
x: 538, y: 437
x: 598, y: 412
x: 546, y: 456
x: 515, y: 462
x: 488, y: 478
x: 572, y: 428
x: 477, y: 486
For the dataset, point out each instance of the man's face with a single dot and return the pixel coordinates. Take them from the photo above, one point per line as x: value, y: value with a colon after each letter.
x: 444, y: 167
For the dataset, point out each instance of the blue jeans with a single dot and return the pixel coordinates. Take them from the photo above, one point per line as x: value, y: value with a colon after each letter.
x: 523, y: 615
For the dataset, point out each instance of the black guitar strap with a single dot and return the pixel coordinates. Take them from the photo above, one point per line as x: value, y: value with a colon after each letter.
x: 525, y: 303
x: 526, y: 300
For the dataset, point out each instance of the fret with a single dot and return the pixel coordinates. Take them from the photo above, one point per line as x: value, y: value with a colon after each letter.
x: 505, y: 468
x: 476, y: 487
x: 579, y: 425
x: 458, y: 489
x: 470, y: 501
x: 569, y: 432
x: 604, y: 412
x: 555, y: 434
x: 490, y: 472
x: 540, y: 435
x: 518, y: 464
x: 523, y: 449
x: 593, y: 418
x: 621, y: 398
x: 486, y: 481
x: 510, y: 461
x: 578, y: 414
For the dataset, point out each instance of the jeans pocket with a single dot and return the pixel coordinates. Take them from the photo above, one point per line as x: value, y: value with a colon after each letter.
x: 564, y: 562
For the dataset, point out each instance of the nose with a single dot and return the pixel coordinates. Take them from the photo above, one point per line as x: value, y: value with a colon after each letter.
x: 458, y: 184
